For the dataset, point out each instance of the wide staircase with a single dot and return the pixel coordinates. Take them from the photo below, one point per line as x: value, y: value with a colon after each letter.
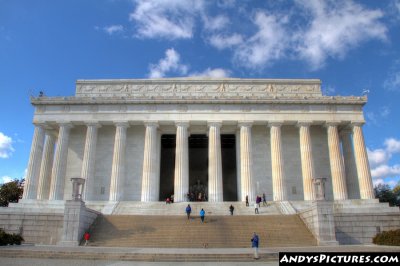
x: 172, y: 231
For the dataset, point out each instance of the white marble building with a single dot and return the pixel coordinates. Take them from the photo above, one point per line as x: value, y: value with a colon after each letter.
x: 139, y: 140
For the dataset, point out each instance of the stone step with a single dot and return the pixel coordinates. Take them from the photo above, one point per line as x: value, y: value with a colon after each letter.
x: 217, y: 231
x: 87, y: 254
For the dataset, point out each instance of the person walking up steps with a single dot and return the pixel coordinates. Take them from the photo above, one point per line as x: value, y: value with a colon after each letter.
x: 188, y: 211
x: 254, y: 244
x: 202, y: 214
x: 231, y: 208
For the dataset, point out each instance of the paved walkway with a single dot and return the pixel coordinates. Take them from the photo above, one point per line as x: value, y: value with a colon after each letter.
x: 5, y: 261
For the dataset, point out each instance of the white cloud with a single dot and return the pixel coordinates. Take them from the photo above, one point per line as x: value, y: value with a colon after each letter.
x: 392, y: 83
x: 379, y: 160
x: 266, y: 45
x: 216, y: 23
x: 376, y: 117
x: 335, y: 28
x: 113, y: 29
x: 212, y: 73
x: 173, y: 19
x: 392, y: 145
x: 377, y: 157
x: 170, y: 63
x: 380, y: 181
x: 384, y: 171
x: 6, y: 148
x: 5, y: 179
x: 222, y: 42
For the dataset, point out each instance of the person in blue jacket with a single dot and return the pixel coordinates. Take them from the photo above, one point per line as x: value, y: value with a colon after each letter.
x: 202, y: 214
x: 254, y: 244
x: 188, y: 211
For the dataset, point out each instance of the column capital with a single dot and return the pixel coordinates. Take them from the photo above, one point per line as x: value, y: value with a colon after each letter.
x: 304, y: 123
x: 39, y: 124
x: 151, y: 123
x: 66, y: 124
x: 245, y: 123
x: 182, y: 124
x: 93, y: 124
x: 275, y: 124
x: 214, y: 123
x: 357, y: 123
x: 124, y: 124
x: 331, y: 124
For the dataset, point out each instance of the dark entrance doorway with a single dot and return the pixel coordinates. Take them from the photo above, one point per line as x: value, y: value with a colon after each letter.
x: 229, y: 174
x: 198, y: 166
x: 167, y: 166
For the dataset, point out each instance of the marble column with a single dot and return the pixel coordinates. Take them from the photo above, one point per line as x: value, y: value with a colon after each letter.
x: 35, y: 157
x: 307, y: 162
x: 349, y: 164
x: 60, y: 163
x: 278, y: 173
x: 181, y: 183
x: 336, y: 163
x: 89, y: 158
x: 45, y: 168
x: 215, y: 191
x: 246, y: 161
x: 363, y: 170
x: 118, y: 164
x: 150, y: 177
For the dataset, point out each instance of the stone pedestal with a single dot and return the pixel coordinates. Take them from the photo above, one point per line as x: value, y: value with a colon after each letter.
x: 320, y: 220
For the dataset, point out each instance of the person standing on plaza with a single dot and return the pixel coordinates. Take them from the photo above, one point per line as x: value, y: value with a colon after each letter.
x: 256, y: 208
x: 231, y: 208
x: 188, y: 211
x: 264, y: 200
x: 258, y: 201
x: 247, y: 201
x: 202, y: 214
x: 254, y: 244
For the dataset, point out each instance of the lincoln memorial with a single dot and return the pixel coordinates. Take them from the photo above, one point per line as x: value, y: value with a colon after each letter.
x: 147, y: 139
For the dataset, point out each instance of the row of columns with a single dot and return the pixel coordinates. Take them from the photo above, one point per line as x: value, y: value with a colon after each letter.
x: 40, y: 184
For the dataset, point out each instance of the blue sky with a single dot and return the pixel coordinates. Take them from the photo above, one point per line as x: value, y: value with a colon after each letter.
x: 351, y: 46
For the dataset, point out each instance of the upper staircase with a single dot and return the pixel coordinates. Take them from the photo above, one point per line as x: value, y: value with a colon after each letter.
x: 172, y: 231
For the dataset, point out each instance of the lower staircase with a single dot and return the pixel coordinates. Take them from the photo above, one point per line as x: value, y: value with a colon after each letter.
x: 216, y: 232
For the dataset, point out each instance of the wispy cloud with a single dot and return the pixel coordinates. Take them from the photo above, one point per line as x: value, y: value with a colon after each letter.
x: 335, y: 27
x: 171, y: 64
x: 392, y: 83
x: 6, y: 148
x: 172, y: 19
x: 113, y: 29
x: 379, y: 160
x: 310, y: 30
x: 212, y: 73
x: 266, y: 45
x: 376, y: 117
x: 221, y: 41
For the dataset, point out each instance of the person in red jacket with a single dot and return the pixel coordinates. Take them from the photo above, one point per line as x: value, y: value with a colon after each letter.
x: 86, y: 236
